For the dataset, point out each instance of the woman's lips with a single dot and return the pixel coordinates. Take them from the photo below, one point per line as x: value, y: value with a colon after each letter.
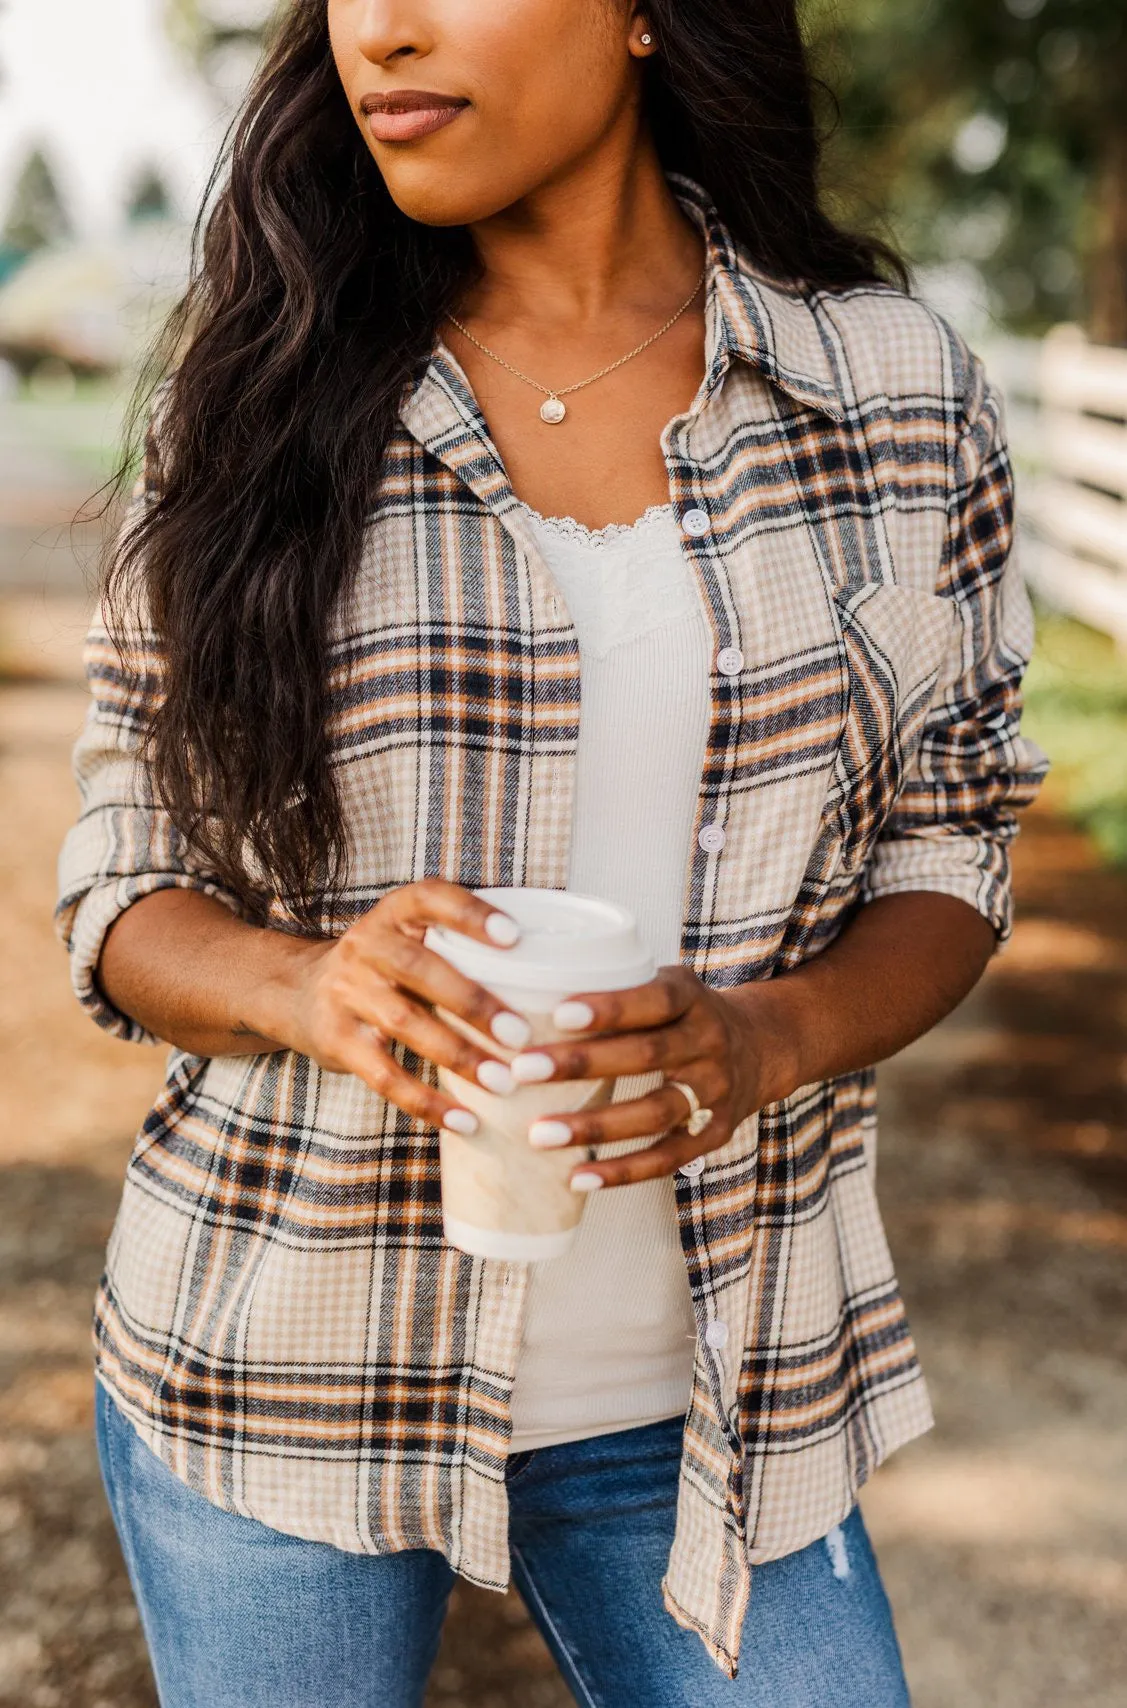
x: 411, y: 114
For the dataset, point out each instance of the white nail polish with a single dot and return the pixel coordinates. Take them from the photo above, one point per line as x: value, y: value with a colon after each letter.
x: 462, y: 1121
x: 549, y: 1135
x: 584, y: 1182
x: 503, y: 930
x: 496, y: 1078
x: 512, y: 1030
x: 574, y: 1016
x: 529, y: 1069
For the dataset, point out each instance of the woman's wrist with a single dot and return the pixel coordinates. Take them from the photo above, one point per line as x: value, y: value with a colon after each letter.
x: 774, y: 1026
x: 897, y: 968
x: 270, y: 1006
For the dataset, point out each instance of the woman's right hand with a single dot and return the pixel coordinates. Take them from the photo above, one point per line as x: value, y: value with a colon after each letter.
x: 378, y: 984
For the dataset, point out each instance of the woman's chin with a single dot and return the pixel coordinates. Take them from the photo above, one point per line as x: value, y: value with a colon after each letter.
x: 448, y: 192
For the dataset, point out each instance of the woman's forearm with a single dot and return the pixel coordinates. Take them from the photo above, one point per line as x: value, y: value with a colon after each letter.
x: 191, y: 972
x: 903, y: 963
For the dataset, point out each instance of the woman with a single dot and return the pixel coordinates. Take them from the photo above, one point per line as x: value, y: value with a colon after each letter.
x: 520, y: 356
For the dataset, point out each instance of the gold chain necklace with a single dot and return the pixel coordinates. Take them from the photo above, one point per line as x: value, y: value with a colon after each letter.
x: 553, y: 409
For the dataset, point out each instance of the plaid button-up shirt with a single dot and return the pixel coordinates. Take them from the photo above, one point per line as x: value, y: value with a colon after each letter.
x: 280, y: 1317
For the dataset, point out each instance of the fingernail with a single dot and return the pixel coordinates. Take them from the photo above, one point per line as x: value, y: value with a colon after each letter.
x: 585, y: 1182
x: 461, y: 1121
x: 549, y: 1135
x: 574, y: 1016
x: 496, y: 1077
x: 526, y: 1070
x: 503, y: 930
x: 512, y: 1030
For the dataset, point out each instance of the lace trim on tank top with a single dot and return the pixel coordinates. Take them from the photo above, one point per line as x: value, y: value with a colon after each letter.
x: 567, y: 528
x: 623, y: 581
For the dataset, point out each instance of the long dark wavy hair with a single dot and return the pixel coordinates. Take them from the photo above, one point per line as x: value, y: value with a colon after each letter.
x: 313, y: 301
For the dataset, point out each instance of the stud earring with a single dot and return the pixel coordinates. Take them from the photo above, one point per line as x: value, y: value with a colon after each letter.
x: 647, y: 40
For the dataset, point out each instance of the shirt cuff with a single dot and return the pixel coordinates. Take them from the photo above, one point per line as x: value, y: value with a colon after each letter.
x: 974, y: 868
x: 84, y: 924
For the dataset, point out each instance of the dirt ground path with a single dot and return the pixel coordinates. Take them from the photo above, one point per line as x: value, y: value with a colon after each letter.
x: 1004, y: 1178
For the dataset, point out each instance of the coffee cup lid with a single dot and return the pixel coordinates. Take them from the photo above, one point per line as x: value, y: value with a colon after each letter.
x: 569, y: 943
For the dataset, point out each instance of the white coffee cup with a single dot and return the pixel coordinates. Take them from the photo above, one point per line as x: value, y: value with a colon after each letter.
x: 501, y: 1198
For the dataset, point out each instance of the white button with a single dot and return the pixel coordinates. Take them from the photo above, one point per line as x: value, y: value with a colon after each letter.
x: 695, y: 522
x: 691, y: 1169
x: 730, y: 662
x: 716, y: 1335
x: 712, y: 838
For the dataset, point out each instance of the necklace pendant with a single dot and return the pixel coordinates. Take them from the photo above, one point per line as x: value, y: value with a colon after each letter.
x: 553, y: 410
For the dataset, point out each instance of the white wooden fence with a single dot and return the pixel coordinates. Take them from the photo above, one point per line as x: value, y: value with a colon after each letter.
x: 1067, y: 410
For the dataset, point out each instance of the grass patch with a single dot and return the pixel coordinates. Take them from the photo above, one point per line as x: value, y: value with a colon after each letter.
x: 1076, y: 709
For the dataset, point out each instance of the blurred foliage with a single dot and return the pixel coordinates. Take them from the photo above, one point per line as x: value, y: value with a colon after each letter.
x: 223, y: 37
x: 993, y: 132
x: 1076, y: 708
x: 36, y: 216
x: 205, y: 25
x: 150, y: 198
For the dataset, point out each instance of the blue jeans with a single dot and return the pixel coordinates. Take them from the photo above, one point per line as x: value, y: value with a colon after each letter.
x: 241, y: 1616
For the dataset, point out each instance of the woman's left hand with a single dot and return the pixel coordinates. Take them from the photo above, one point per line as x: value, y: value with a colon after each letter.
x: 729, y: 1047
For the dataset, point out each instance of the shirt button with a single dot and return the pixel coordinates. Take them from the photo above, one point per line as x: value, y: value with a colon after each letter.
x: 691, y: 1169
x: 716, y: 1335
x: 712, y: 838
x: 695, y: 522
x: 730, y: 661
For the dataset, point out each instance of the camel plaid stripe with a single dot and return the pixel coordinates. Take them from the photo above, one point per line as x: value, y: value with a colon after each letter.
x: 280, y: 1316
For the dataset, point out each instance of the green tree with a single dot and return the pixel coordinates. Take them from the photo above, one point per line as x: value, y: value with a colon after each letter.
x: 36, y: 216
x: 994, y: 131
x: 149, y: 198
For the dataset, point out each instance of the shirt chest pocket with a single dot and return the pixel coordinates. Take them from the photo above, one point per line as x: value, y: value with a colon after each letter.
x: 894, y: 643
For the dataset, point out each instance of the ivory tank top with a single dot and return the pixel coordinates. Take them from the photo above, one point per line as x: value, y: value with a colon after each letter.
x: 609, y: 1338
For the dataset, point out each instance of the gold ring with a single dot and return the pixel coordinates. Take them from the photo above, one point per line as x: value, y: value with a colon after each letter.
x: 698, y: 1118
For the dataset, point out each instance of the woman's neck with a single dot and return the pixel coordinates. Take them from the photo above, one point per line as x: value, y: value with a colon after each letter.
x: 578, y: 279
x: 607, y: 241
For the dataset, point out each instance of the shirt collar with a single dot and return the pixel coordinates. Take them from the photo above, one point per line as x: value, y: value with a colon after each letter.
x: 769, y: 323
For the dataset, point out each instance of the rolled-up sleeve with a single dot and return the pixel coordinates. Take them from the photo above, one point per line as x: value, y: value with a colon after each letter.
x: 124, y: 845
x: 956, y: 814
